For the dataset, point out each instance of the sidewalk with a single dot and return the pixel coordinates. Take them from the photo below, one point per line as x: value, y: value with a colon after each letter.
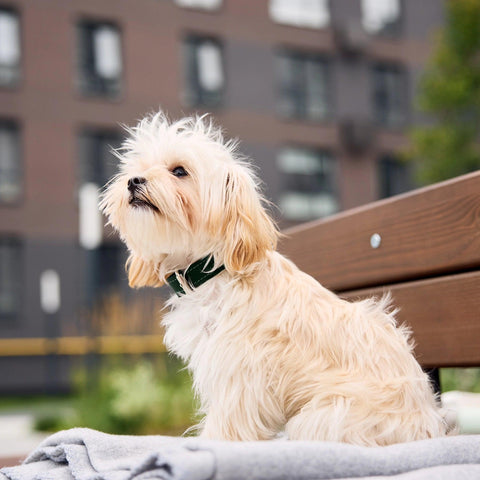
x: 17, y: 437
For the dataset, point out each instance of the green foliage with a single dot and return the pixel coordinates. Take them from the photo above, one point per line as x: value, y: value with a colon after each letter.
x: 450, y: 93
x: 139, y: 398
x: 463, y: 379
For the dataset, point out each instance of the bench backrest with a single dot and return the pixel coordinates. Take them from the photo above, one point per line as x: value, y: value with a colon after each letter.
x: 423, y: 247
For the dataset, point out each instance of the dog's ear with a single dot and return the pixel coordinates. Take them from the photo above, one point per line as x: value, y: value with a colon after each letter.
x: 248, y: 231
x: 142, y: 273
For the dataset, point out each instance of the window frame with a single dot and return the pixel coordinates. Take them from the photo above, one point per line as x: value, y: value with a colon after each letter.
x: 97, y: 286
x: 301, y: 101
x: 16, y: 128
x: 381, y: 119
x: 89, y: 140
x: 384, y: 188
x: 287, y: 21
x: 89, y: 82
x: 395, y: 30
x: 17, y: 68
x: 287, y: 178
x: 8, y: 319
x: 194, y: 95
x: 199, y: 6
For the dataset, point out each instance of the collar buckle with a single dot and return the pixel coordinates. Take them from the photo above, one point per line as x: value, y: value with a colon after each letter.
x: 194, y: 276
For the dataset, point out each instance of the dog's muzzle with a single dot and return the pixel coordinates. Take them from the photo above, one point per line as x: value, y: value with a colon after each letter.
x: 137, y: 198
x: 135, y: 183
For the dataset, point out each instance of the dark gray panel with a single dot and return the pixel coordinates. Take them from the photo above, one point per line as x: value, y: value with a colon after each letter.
x: 263, y: 156
x: 250, y: 76
x: 343, y: 11
x: 34, y: 374
x: 422, y: 18
x: 351, y: 89
x: 38, y: 256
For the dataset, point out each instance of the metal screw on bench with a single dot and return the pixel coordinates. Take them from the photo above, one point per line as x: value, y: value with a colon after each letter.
x: 375, y: 240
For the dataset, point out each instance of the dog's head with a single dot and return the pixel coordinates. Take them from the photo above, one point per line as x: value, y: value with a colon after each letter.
x: 182, y: 194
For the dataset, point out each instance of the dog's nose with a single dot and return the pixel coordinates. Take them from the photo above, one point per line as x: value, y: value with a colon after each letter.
x: 135, y: 182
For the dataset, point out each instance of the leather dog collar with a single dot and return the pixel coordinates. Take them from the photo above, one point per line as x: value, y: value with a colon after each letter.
x: 195, y: 275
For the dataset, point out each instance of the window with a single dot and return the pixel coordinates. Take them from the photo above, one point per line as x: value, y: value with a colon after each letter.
x: 201, y: 4
x: 97, y: 166
x: 97, y: 162
x: 389, y: 95
x: 10, y: 51
x: 308, y: 184
x: 104, y: 272
x: 395, y: 176
x: 303, y: 86
x: 99, y: 59
x: 10, y: 278
x: 300, y: 13
x: 381, y: 16
x: 10, y: 163
x: 204, y: 72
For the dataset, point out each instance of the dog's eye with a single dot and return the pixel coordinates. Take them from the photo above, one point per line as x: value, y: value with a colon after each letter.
x: 179, y: 172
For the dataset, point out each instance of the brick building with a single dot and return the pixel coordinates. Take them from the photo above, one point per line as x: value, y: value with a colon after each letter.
x: 320, y: 93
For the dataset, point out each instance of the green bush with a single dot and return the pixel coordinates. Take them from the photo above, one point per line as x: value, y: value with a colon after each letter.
x: 137, y: 397
x: 464, y: 379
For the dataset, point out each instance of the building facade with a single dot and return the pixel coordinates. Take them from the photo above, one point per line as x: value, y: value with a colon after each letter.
x: 319, y: 92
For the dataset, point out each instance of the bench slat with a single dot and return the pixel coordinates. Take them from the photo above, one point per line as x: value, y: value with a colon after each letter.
x: 444, y: 314
x: 431, y: 231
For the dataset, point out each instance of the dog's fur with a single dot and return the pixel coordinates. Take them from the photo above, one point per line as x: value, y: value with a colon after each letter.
x: 270, y: 349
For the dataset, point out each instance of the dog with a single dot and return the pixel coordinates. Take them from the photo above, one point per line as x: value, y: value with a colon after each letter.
x: 271, y: 351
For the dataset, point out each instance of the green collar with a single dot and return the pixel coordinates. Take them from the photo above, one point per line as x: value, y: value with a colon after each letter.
x: 195, y: 275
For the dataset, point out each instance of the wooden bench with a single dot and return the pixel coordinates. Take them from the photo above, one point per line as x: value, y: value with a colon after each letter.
x: 423, y: 247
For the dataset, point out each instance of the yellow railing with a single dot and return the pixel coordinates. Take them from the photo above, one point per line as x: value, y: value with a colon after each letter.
x: 129, y: 344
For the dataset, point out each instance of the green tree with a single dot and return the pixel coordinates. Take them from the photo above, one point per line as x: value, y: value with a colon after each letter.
x: 450, y: 94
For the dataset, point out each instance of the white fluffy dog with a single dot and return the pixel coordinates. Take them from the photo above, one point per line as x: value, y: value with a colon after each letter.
x: 270, y: 349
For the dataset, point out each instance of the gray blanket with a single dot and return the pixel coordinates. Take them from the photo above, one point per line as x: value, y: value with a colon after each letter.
x: 84, y: 454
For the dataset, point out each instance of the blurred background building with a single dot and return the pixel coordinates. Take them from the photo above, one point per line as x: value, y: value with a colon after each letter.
x: 320, y: 92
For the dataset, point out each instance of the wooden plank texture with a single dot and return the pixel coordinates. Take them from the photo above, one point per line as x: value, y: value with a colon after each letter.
x: 11, y: 461
x: 444, y: 314
x: 431, y: 231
